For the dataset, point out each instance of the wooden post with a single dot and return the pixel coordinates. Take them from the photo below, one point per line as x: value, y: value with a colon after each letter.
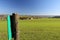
x: 14, y: 26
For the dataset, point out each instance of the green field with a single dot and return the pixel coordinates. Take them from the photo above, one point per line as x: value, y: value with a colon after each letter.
x: 36, y: 29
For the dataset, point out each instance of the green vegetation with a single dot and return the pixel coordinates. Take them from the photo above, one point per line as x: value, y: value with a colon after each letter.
x: 36, y: 29
x: 3, y: 30
x: 40, y: 29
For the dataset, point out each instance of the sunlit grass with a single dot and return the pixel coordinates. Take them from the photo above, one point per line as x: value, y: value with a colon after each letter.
x: 40, y: 29
x: 36, y: 29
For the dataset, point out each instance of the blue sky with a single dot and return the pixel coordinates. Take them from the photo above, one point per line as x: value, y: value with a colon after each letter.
x: 30, y: 7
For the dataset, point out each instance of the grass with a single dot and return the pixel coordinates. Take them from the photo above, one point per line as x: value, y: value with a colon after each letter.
x: 3, y: 30
x: 36, y: 29
x: 40, y: 29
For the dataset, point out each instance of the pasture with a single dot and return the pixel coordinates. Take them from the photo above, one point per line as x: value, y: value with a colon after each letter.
x: 36, y: 29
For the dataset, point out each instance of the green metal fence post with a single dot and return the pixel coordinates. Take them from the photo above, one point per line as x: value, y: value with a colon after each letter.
x: 9, y: 28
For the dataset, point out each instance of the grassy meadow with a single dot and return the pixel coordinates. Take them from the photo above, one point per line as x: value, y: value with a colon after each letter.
x: 36, y: 29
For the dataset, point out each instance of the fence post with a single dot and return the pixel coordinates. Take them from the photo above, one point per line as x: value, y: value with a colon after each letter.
x: 14, y: 26
x: 9, y: 28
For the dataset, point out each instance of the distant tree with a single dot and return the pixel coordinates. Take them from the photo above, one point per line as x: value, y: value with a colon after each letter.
x: 56, y: 17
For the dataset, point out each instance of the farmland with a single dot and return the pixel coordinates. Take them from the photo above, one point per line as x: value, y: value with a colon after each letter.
x: 36, y: 29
